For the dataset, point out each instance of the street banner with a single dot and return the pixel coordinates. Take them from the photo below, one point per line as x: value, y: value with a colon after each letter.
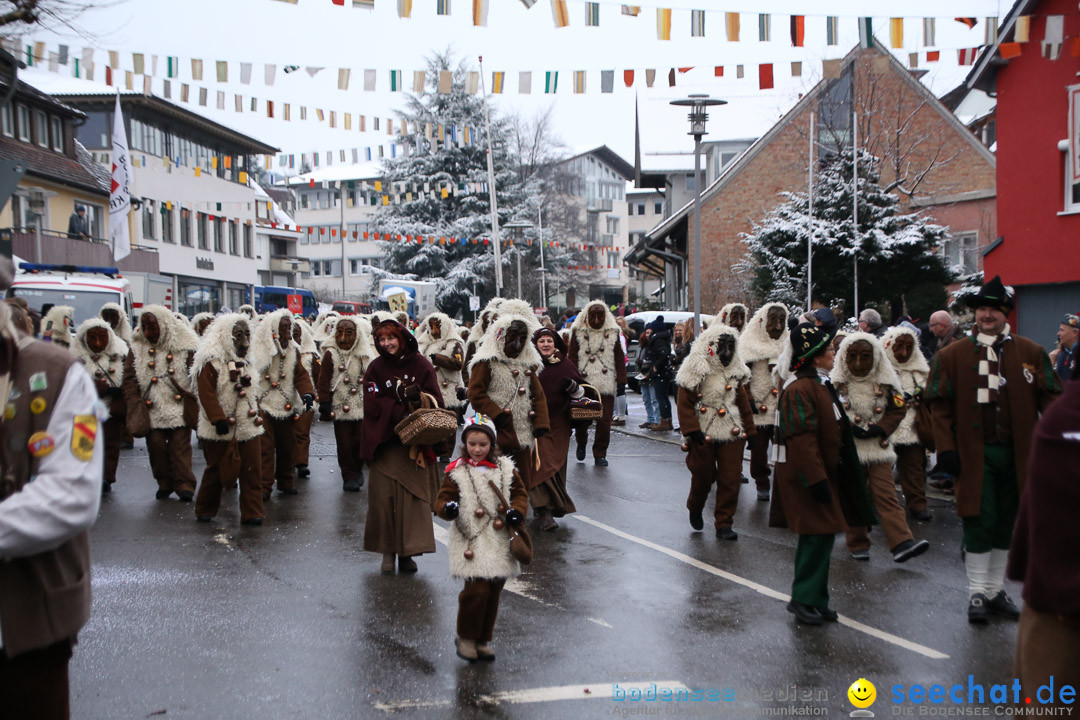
x: 119, y: 191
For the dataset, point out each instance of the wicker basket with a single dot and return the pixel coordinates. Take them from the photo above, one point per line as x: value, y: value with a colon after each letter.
x: 427, y: 425
x: 587, y: 408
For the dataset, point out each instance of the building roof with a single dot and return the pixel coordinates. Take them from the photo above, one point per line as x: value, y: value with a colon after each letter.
x: 372, y: 170
x: 609, y: 156
x: 55, y: 167
x: 983, y: 75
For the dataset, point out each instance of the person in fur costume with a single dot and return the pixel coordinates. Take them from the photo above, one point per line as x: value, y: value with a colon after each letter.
x: 761, y: 343
x: 733, y: 315
x: 58, y: 325
x: 381, y: 316
x: 156, y: 386
x: 438, y: 339
x: 282, y: 384
x: 476, y: 336
x: 715, y: 417
x: 309, y: 356
x: 503, y: 385
x: 597, y: 353
x: 201, y: 321
x: 345, y: 359
x: 480, y: 525
x: 249, y: 310
x: 228, y: 413
x: 113, y: 314
x: 902, y: 348
x: 102, y: 353
x: 869, y: 390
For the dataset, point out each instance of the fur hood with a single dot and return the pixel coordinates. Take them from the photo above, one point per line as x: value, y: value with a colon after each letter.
x: 217, y: 344
x: 364, y: 345
x: 124, y: 330
x: 199, y: 317
x: 58, y: 324
x: 173, y: 337
x: 491, y: 348
x: 917, y: 362
x: 307, y: 342
x: 725, y: 311
x: 883, y: 373
x: 248, y: 309
x: 699, y: 364
x: 325, y: 326
x: 116, y: 346
x: 380, y: 316
x: 447, y: 327
x: 521, y: 309
x: 264, y: 346
x: 755, y: 344
x: 581, y: 322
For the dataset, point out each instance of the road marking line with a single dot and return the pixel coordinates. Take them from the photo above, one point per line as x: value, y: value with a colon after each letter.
x: 599, y: 691
x: 517, y: 585
x: 762, y: 589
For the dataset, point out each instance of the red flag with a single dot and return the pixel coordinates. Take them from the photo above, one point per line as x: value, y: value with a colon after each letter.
x: 798, y: 30
x: 933, y: 56
x: 628, y: 77
x: 718, y: 71
x: 765, y: 79
x: 1012, y: 49
x: 969, y: 21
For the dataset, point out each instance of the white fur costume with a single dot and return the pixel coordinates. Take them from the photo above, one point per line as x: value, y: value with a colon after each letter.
x: 349, y: 367
x: 715, y: 385
x: 913, y: 375
x: 108, y: 365
x: 510, y: 385
x: 168, y: 357
x: 275, y: 367
x: 491, y: 554
x: 58, y: 324
x: 596, y: 348
x: 866, y: 399
x: 124, y: 328
x: 449, y: 344
x: 760, y: 353
x: 218, y: 351
x: 725, y: 313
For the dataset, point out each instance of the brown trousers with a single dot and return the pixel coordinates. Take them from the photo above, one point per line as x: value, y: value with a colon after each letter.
x: 208, y: 500
x: 911, y: 469
x: 35, y: 684
x: 719, y: 463
x: 303, y: 438
x: 1047, y: 644
x: 170, y: 459
x: 759, y: 456
x: 478, y: 604
x: 603, y: 429
x: 114, y: 432
x: 882, y: 489
x: 278, y: 443
x: 347, y: 436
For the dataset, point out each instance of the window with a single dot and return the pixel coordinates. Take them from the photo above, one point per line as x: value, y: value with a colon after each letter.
x: 354, y: 266
x: 185, y: 228
x: 691, y: 183
x: 148, y: 218
x: 200, y: 230
x: 167, y: 223
x: 335, y: 235
x: 658, y: 207
x: 234, y: 241
x: 304, y: 200
x: 612, y: 225
x: 316, y: 268
x: 23, y: 116
x: 303, y: 238
x: 7, y: 121
x: 613, y: 259
x: 42, y: 129
x: 727, y: 157
x: 324, y: 233
x: 641, y: 208
x: 57, y: 135
x: 962, y: 251
x: 95, y: 217
x: 219, y: 235
x: 249, y: 246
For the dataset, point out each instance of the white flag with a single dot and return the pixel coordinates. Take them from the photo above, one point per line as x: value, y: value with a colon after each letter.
x: 119, y: 193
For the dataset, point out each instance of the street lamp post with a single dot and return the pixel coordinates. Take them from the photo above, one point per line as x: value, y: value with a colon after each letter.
x: 517, y: 231
x: 697, y: 104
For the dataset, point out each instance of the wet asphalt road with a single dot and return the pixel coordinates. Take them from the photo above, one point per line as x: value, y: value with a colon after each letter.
x: 294, y: 620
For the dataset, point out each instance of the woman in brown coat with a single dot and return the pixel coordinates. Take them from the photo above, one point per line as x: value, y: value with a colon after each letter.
x: 561, y: 382
x: 403, y: 480
x: 820, y: 489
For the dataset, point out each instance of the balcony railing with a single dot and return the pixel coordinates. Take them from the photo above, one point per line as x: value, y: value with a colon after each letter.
x: 59, y: 249
x: 289, y: 264
x: 599, y: 204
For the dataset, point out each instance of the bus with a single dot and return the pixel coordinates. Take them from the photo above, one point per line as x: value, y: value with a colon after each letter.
x: 269, y: 298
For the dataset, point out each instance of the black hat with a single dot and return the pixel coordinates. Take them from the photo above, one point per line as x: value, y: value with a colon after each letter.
x: 807, y: 342
x: 994, y: 294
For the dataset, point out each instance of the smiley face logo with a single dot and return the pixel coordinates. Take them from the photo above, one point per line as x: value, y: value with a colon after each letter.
x: 862, y: 693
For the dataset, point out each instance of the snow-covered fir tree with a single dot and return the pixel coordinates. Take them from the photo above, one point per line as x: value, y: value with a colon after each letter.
x: 418, y: 176
x: 899, y: 265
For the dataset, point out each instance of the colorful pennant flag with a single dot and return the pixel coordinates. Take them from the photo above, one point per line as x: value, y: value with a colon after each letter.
x: 628, y: 78
x: 764, y: 24
x: 631, y: 10
x: 929, y: 32
x: 832, y: 30
x: 592, y: 14
x: 663, y: 23
x: 579, y: 81
x: 404, y: 8
x: 969, y: 21
x: 966, y: 56
x: 559, y: 13
x: 551, y: 81
x: 866, y: 32
x: 1022, y: 29
x: 896, y: 32
x: 798, y: 30
x: 343, y: 76
x: 731, y: 23
x: 480, y: 13
x: 697, y: 23
x: 765, y: 76
x: 497, y: 79
x: 991, y: 31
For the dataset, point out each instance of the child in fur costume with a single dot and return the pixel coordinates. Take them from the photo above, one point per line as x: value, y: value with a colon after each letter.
x: 479, y: 532
x: 869, y: 390
x: 102, y: 354
x: 715, y: 416
x: 902, y: 348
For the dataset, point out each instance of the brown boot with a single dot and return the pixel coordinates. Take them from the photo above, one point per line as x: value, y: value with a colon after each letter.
x: 547, y: 522
x: 466, y: 650
x: 484, y: 652
x: 387, y: 563
x: 664, y: 424
x: 406, y: 564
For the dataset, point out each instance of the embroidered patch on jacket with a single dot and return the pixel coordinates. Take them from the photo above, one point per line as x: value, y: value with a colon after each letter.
x: 83, y: 435
x: 1029, y: 373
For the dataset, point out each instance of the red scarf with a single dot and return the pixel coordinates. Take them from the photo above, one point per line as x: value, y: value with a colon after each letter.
x: 470, y: 461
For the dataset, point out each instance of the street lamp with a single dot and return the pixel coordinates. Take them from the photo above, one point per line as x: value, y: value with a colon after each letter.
x: 697, y: 104
x: 517, y: 231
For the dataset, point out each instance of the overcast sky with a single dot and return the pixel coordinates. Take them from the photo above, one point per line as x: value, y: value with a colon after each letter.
x: 316, y: 33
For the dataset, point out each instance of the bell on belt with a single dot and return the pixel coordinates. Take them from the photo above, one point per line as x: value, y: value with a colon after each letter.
x: 727, y: 387
x: 764, y: 408
x: 295, y: 417
x: 149, y: 403
x: 515, y: 373
x: 333, y: 414
x: 150, y: 351
x: 592, y: 358
x: 232, y: 420
x: 532, y: 414
x: 258, y: 422
x: 468, y: 554
x: 154, y: 380
x: 151, y: 364
x: 479, y: 512
x: 344, y: 408
x: 273, y: 384
x: 169, y: 356
x: 282, y: 376
x: 704, y: 409
x: 877, y: 409
x: 883, y: 443
x: 176, y: 397
x: 699, y: 396
x: 528, y: 373
x: 497, y: 523
x: 708, y: 439
x: 721, y: 412
x: 112, y: 371
x: 603, y: 371
x: 252, y: 413
x: 242, y: 393
x: 288, y: 407
x: 685, y: 447
x: 237, y: 386
x: 736, y: 431
x: 878, y: 392
x: 858, y: 419
x: 99, y: 374
x: 341, y: 368
x: 346, y: 380
x: 847, y: 406
x: 266, y: 376
x: 521, y: 391
x: 775, y: 392
x: 171, y: 371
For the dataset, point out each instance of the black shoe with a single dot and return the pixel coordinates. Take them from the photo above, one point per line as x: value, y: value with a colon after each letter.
x: 828, y: 614
x: 977, y: 613
x: 922, y: 515
x: 185, y: 496
x: 351, y: 485
x: 252, y: 521
x: 1001, y: 604
x: 288, y: 491
x: 106, y: 487
x: 302, y: 471
x: 726, y: 533
x: 581, y: 453
x: 805, y: 614
x: 745, y: 480
x: 909, y: 549
x: 696, y: 521
x: 203, y: 518
x: 863, y: 555
x: 601, y: 462
x: 360, y: 478
x: 763, y: 495
x: 163, y: 494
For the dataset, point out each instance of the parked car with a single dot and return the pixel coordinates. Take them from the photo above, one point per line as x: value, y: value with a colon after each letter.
x: 345, y: 307
x: 637, y: 322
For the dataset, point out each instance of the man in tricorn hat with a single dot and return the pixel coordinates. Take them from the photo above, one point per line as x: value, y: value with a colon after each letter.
x: 986, y: 392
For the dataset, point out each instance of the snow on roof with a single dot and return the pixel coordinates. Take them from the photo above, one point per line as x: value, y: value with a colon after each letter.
x: 371, y: 170
x: 280, y: 216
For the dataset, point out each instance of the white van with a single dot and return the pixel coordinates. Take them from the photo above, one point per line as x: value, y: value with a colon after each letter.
x: 84, y: 288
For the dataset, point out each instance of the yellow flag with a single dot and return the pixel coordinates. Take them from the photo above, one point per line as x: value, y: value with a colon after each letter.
x: 731, y: 22
x: 896, y: 32
x: 663, y: 23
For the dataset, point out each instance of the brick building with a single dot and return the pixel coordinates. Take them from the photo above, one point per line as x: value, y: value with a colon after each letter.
x: 933, y: 163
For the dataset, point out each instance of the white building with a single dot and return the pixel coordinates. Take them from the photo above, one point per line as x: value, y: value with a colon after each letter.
x: 276, y: 239
x: 190, y: 185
